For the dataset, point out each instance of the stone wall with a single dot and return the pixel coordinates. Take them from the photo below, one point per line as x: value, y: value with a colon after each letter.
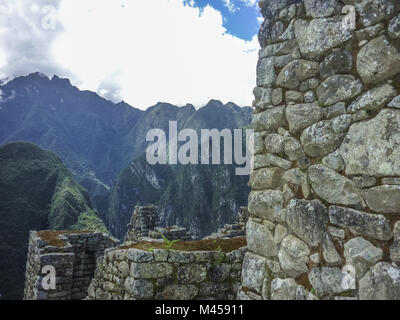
x: 325, y: 208
x: 73, y: 256
x: 145, y: 223
x: 159, y: 274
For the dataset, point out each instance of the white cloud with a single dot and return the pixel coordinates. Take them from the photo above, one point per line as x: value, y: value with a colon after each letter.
x: 144, y: 52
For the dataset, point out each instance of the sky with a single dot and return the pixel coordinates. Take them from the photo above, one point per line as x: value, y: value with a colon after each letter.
x: 138, y: 51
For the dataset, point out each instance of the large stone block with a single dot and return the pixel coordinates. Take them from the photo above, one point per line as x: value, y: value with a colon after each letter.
x: 325, y: 136
x: 266, y: 204
x: 373, y: 147
x: 308, y: 220
x: 260, y: 240
x: 378, y: 60
x: 253, y: 271
x: 381, y: 282
x: 320, y: 35
x: 333, y: 187
x: 383, y: 199
x: 361, y: 223
x: 293, y: 256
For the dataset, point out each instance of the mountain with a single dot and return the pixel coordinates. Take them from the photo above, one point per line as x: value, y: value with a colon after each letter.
x: 85, y: 130
x: 103, y: 144
x: 37, y: 192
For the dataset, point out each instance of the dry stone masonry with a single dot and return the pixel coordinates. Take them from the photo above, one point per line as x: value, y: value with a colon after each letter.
x: 128, y: 273
x: 73, y: 256
x: 238, y: 229
x: 145, y: 223
x: 325, y: 199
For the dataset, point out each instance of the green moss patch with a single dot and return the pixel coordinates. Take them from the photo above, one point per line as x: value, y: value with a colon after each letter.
x: 53, y: 237
x: 224, y: 245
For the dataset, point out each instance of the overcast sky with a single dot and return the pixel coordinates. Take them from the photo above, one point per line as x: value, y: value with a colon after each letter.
x: 139, y: 51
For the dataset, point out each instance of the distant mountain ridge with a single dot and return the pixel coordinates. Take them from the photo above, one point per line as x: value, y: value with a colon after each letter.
x: 98, y: 140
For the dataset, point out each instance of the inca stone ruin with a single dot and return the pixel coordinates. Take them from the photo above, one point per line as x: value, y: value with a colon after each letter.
x: 325, y: 188
x: 325, y: 201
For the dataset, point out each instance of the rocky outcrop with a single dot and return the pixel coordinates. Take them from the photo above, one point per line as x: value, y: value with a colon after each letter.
x: 324, y: 206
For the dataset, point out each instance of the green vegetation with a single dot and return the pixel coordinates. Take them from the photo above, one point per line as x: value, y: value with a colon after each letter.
x: 37, y: 192
x: 169, y: 244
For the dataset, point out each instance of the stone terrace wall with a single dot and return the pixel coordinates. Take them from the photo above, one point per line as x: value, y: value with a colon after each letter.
x: 325, y: 199
x: 132, y: 274
x: 73, y: 255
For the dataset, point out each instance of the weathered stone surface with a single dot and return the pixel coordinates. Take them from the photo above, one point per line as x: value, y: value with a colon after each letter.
x: 295, y: 72
x: 373, y: 147
x: 294, y: 96
x: 259, y: 142
x: 336, y: 232
x: 338, y: 88
x: 373, y: 100
x: 318, y: 36
x: 266, y: 204
x: 139, y: 289
x: 293, y: 149
x: 325, y: 136
x: 179, y: 292
x: 334, y: 161
x: 335, y: 110
x: 293, y: 256
x: 308, y: 220
x: 390, y: 181
x: 361, y: 254
x: 136, y: 255
x: 374, y: 11
x: 381, y: 282
x: 395, y: 103
x: 320, y: 8
x: 365, y: 181
x: 149, y: 271
x: 394, y: 27
x: 283, y: 289
x: 310, y: 97
x: 309, y: 84
x: 395, y: 250
x: 280, y: 233
x: 269, y: 120
x: 333, y: 187
x: 369, y: 32
x: 266, y: 76
x: 278, y: 162
x: 327, y: 281
x: 383, y: 199
x: 338, y: 62
x: 267, y: 178
x: 361, y: 223
x: 263, y: 97
x: 303, y: 294
x: 278, y: 49
x: 253, y: 271
x: 329, y: 251
x: 192, y: 273
x: 261, y: 240
x: 300, y: 116
x: 274, y: 143
x: 219, y: 272
x: 378, y: 60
